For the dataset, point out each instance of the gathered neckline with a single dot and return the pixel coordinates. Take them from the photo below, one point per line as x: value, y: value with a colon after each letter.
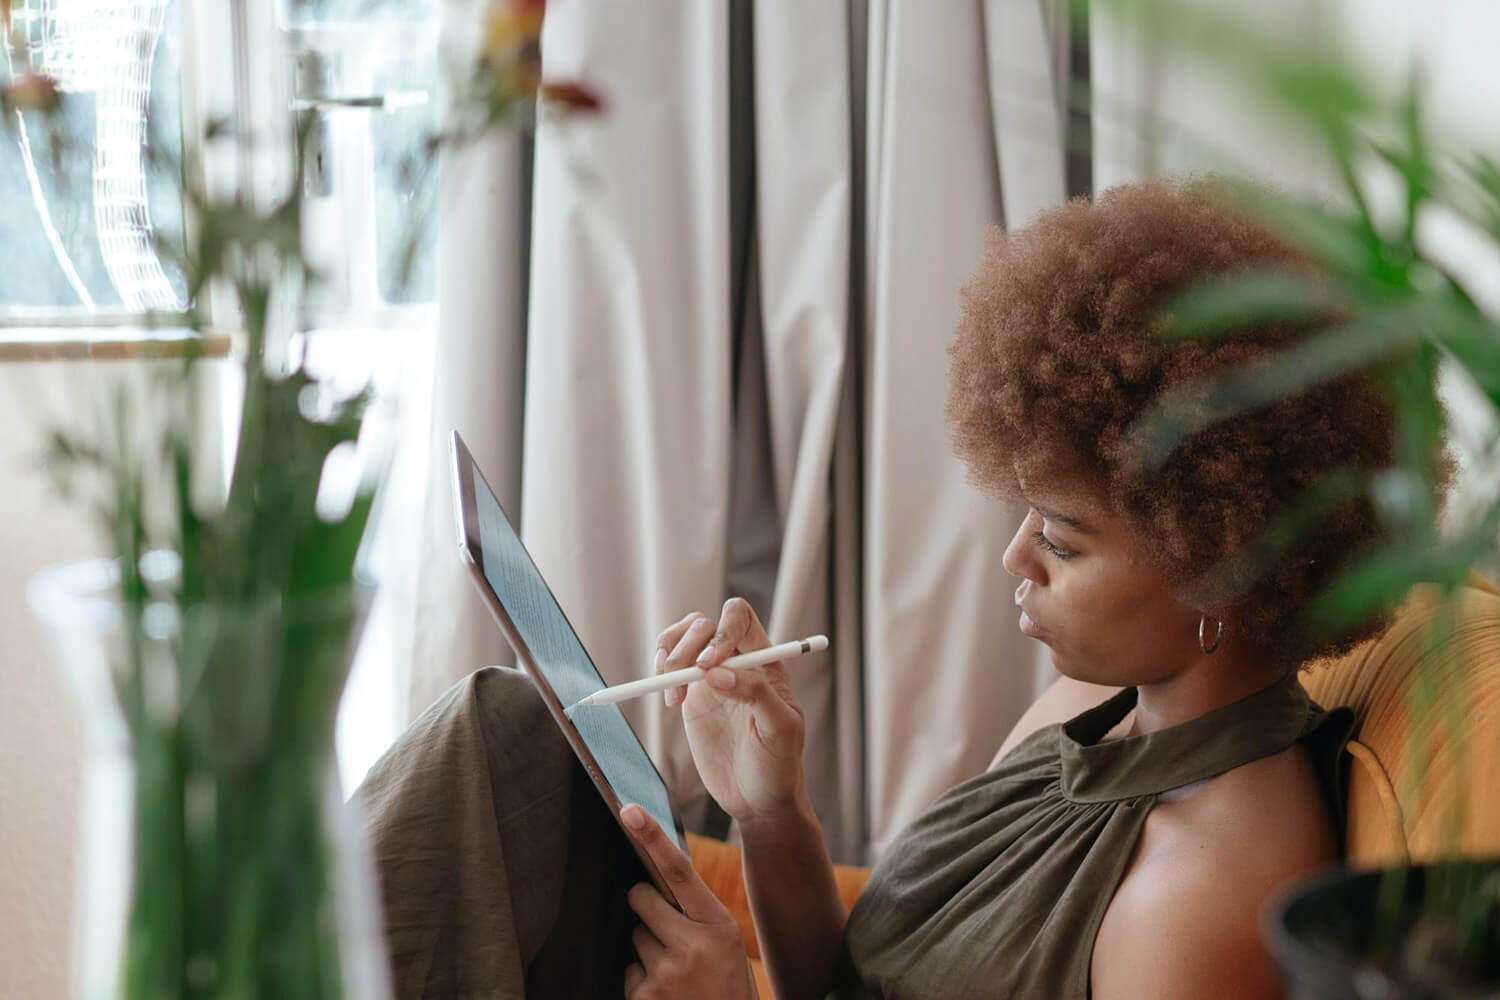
x: 1098, y: 770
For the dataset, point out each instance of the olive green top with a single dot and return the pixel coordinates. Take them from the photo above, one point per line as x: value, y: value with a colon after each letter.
x: 999, y: 890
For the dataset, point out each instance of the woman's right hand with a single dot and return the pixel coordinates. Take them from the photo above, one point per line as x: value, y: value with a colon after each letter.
x: 744, y: 727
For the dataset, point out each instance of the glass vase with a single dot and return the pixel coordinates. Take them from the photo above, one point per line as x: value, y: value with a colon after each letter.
x: 216, y: 858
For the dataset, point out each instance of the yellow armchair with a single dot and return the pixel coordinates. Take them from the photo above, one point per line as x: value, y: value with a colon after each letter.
x: 719, y: 865
x: 1422, y: 780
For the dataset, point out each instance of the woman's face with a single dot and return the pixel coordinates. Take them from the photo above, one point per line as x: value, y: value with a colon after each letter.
x: 1090, y: 591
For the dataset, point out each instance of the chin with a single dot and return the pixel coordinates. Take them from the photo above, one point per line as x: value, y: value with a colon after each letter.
x: 1085, y: 672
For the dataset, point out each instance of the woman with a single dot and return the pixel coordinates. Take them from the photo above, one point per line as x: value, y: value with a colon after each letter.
x: 1135, y: 821
x: 1130, y: 851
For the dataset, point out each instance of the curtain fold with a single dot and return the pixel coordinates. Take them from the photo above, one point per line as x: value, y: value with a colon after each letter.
x: 946, y: 672
x: 1028, y: 71
x: 627, y: 465
x: 804, y: 189
x: 744, y: 277
x: 478, y: 388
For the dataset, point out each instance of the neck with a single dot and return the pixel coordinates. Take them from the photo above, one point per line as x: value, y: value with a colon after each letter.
x: 1208, y: 683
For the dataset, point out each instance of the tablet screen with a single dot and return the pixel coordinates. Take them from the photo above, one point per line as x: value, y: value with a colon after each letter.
x: 562, y: 661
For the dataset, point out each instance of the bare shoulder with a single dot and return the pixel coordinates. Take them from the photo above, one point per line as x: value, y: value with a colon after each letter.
x: 1063, y: 699
x: 1185, y: 920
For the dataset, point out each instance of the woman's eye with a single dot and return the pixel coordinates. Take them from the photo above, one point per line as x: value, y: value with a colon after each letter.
x: 1045, y: 543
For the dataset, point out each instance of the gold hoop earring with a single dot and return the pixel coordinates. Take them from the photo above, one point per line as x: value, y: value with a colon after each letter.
x: 1203, y: 643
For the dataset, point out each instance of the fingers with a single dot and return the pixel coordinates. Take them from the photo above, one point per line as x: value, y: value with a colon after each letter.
x: 635, y: 975
x: 697, y: 900
x: 694, y: 638
x: 648, y: 946
x: 673, y: 633
x: 656, y: 913
x: 679, y: 646
x: 739, y: 631
x: 697, y: 640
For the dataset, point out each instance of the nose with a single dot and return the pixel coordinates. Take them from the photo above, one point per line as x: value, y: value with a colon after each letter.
x: 1021, y: 557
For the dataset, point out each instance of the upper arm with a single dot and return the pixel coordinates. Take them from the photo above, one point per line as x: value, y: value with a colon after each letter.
x: 1063, y: 699
x: 1194, y: 941
x: 1186, y: 920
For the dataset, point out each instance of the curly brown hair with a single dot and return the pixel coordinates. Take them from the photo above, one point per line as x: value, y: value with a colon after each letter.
x: 1056, y: 355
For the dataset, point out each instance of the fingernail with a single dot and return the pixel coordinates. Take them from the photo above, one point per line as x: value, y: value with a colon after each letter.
x: 661, y: 657
x: 706, y: 655
x: 634, y: 817
x: 721, y: 678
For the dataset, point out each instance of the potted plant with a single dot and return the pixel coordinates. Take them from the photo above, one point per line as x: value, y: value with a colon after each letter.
x: 211, y: 650
x: 1404, y: 932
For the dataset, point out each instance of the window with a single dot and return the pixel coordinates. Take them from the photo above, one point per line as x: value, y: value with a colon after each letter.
x: 76, y: 237
x: 367, y: 69
x: 142, y: 81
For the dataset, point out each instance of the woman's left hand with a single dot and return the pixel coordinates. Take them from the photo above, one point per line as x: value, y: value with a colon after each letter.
x: 689, y: 954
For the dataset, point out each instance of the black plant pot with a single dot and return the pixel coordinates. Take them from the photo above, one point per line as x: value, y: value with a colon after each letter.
x: 1333, y: 941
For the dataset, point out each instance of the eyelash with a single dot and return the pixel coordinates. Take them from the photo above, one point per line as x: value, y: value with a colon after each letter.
x: 1043, y: 542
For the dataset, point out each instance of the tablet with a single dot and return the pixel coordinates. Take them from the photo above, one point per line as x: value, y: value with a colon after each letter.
x: 550, y: 652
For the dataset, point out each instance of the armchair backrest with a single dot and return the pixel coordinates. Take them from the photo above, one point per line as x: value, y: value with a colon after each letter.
x: 1424, y: 776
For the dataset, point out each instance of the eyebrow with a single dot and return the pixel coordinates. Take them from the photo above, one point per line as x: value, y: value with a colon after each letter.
x: 1063, y: 519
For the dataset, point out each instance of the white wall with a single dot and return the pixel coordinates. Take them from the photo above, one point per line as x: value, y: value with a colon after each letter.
x: 41, y: 740
x: 40, y: 748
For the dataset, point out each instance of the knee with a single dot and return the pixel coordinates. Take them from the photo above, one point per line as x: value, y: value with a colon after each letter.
x: 511, y: 712
x: 505, y: 696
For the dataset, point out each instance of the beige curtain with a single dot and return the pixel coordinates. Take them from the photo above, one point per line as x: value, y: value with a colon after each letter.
x: 477, y: 387
x: 727, y: 371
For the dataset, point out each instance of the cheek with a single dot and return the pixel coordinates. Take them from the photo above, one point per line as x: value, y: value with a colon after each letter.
x: 1112, y: 624
x: 1102, y: 597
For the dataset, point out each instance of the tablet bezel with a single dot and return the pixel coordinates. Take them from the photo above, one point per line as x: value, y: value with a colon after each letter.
x: 472, y: 552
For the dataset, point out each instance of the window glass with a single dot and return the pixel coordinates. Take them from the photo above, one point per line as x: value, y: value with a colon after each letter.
x: 79, y: 222
x: 405, y: 212
x: 368, y: 71
x: 329, y: 11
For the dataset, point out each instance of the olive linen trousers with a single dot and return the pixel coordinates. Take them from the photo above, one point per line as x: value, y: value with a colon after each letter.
x: 502, y: 873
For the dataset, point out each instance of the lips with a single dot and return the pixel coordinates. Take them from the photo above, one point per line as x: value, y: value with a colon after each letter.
x: 1031, y: 628
x: 1027, y: 625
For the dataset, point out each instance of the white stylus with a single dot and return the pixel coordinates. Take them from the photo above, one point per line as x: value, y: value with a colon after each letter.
x: 676, y: 678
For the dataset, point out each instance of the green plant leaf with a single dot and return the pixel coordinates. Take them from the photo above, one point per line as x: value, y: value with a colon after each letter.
x: 1473, y: 340
x: 1286, y: 530
x: 1345, y: 246
x: 1316, y: 83
x: 1318, y: 358
x: 1310, y: 79
x: 1381, y: 580
x: 324, y: 556
x: 1239, y: 301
